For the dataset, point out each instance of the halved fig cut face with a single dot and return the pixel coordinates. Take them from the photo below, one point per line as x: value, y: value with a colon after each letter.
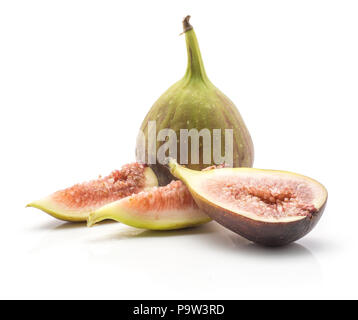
x: 76, y: 202
x: 265, y: 206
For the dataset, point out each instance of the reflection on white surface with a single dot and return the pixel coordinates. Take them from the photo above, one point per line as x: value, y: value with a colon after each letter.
x: 207, y: 261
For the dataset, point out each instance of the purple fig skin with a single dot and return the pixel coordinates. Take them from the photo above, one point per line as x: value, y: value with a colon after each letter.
x: 261, y: 232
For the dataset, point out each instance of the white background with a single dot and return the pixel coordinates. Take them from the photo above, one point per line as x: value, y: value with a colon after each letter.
x: 76, y: 80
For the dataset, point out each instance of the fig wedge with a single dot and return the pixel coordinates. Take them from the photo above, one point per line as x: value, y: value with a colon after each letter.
x: 163, y: 208
x: 75, y: 203
x: 269, y: 207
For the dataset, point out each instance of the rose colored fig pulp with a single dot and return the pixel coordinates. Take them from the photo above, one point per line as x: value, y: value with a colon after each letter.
x: 75, y: 203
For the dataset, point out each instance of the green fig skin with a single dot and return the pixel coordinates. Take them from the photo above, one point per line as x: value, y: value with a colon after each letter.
x: 195, y: 103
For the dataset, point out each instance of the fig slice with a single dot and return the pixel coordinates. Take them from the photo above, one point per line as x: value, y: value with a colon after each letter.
x: 268, y: 207
x: 163, y: 208
x: 76, y: 202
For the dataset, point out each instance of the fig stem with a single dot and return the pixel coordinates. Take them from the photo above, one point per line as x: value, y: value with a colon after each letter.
x: 186, y: 24
x: 195, y: 68
x: 179, y: 171
x: 172, y: 165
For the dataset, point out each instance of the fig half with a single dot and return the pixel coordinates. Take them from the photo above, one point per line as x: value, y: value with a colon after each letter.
x: 268, y: 207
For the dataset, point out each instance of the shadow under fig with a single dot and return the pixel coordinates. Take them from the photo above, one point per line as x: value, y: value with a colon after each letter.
x: 57, y: 225
x: 227, y: 240
x: 214, y: 235
x: 135, y: 233
x: 76, y: 225
x: 202, y: 229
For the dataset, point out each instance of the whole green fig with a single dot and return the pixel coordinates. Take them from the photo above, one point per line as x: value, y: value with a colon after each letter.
x: 193, y: 103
